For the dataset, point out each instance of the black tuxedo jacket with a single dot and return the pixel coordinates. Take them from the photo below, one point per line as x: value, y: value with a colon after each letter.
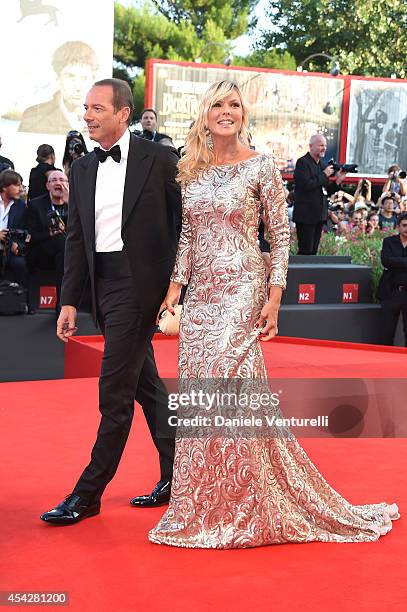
x: 151, y: 221
x: 37, y: 218
x: 310, y: 202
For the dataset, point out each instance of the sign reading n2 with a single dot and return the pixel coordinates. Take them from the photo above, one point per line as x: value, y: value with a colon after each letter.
x: 350, y: 293
x: 48, y: 297
x: 306, y: 294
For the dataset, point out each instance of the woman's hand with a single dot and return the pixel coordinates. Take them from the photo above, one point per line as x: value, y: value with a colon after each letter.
x: 170, y: 300
x: 267, y: 322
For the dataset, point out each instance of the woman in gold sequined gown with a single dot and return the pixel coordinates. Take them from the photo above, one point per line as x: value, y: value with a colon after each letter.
x: 240, y: 492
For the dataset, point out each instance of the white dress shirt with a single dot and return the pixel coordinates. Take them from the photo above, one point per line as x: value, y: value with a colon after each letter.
x: 109, y: 199
x: 4, y: 213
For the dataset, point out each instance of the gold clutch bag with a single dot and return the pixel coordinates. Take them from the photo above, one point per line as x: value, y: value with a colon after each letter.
x: 168, y: 323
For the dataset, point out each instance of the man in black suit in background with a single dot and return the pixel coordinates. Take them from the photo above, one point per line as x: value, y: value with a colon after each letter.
x: 124, y: 209
x: 312, y: 186
x: 393, y: 283
x: 148, y: 120
x: 46, y: 220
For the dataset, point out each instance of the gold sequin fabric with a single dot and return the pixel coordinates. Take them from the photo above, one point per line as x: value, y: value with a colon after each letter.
x: 234, y: 492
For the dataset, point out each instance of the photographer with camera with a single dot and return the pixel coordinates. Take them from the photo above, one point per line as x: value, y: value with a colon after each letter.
x: 75, y: 147
x: 46, y: 220
x: 312, y: 186
x: 14, y: 238
x: 336, y: 215
x: 396, y: 181
x: 363, y: 190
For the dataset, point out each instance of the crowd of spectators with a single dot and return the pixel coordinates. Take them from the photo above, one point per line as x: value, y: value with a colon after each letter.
x: 359, y: 213
x: 41, y: 209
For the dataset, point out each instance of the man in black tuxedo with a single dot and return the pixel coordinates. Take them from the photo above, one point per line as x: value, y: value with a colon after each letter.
x: 393, y: 283
x: 312, y: 186
x: 124, y: 212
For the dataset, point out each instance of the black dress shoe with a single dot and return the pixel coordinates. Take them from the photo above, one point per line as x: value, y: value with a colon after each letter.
x: 72, y: 510
x: 159, y: 496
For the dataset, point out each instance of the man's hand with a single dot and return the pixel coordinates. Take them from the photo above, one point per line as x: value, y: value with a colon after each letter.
x: 66, y: 324
x: 3, y: 235
x: 55, y: 232
x: 329, y: 171
x: 65, y: 192
x: 14, y: 248
x: 341, y: 175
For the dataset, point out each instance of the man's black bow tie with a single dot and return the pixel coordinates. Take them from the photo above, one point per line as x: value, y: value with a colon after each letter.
x: 114, y: 152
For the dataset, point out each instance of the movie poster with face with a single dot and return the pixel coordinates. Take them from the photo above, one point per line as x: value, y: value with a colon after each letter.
x: 56, y: 50
x: 377, y: 128
x: 285, y: 109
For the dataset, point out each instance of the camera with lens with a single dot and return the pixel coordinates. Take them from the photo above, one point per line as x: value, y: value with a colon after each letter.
x: 76, y: 146
x: 18, y: 236
x: 335, y: 207
x: 343, y: 167
x: 400, y: 174
x: 54, y: 221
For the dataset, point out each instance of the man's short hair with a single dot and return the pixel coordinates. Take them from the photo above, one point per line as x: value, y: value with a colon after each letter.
x: 9, y: 177
x: 389, y: 197
x: 402, y: 217
x: 74, y: 52
x: 314, y: 137
x: 122, y: 94
x: 148, y: 110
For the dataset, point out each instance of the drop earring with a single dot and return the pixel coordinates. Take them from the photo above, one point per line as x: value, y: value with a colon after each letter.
x: 209, y: 141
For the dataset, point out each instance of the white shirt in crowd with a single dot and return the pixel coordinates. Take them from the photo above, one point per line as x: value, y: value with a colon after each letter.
x: 109, y: 199
x: 4, y: 213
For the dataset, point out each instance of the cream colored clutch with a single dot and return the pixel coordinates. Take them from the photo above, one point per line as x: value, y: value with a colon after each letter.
x: 168, y: 323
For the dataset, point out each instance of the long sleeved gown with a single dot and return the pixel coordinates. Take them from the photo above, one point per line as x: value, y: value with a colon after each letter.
x: 237, y: 492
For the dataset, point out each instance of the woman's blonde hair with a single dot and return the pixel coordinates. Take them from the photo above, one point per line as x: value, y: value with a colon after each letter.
x: 198, y: 154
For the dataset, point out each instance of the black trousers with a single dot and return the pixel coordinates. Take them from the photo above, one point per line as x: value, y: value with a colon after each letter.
x: 128, y: 371
x: 17, y: 266
x: 308, y: 237
x: 395, y: 304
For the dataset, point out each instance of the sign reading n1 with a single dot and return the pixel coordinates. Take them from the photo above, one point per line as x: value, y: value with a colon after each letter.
x: 350, y: 293
x: 306, y: 294
x: 48, y: 297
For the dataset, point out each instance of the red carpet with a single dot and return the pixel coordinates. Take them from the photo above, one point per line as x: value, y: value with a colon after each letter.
x: 107, y: 564
x: 285, y: 358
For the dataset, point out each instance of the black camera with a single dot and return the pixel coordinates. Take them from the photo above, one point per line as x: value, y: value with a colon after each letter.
x: 344, y: 167
x: 54, y: 221
x: 20, y: 238
x: 400, y: 174
x: 335, y: 207
x: 76, y: 146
